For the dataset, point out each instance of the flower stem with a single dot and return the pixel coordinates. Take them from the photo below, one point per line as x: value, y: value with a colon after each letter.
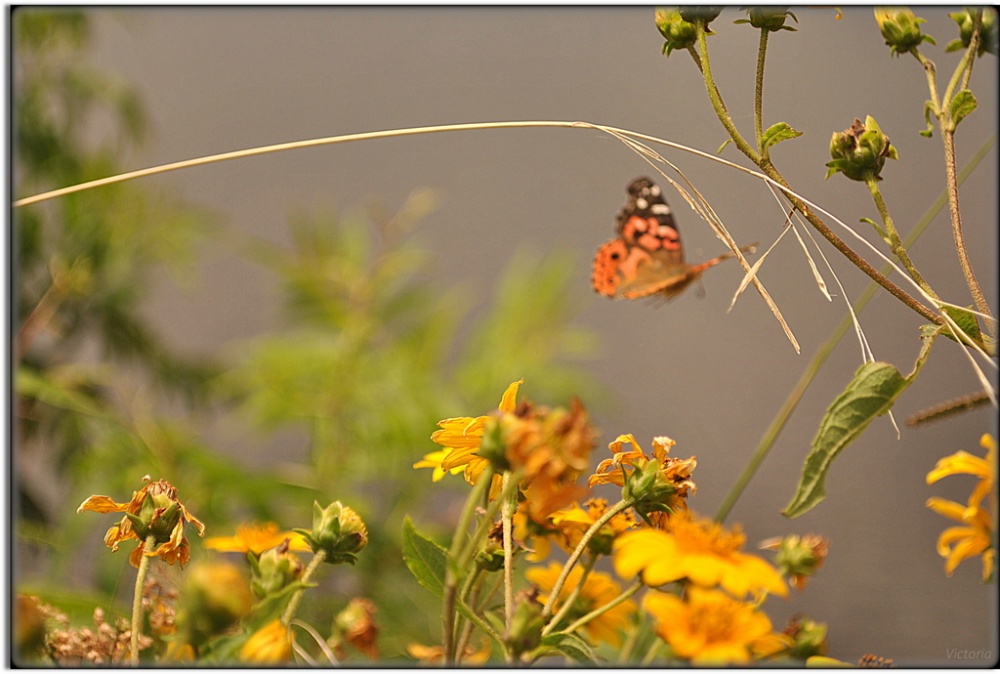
x: 293, y: 605
x: 623, y: 597
x: 580, y: 547
x: 758, y: 99
x: 588, y: 566
x: 893, y: 237
x: 716, y: 97
x: 140, y: 581
x: 507, y: 508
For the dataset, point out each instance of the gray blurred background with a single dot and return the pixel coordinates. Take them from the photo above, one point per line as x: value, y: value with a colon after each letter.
x: 217, y: 80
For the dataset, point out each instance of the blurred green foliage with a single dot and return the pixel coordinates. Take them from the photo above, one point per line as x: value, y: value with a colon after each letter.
x: 371, y: 351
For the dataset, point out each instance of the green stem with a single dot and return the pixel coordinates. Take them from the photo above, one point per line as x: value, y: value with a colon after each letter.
x: 948, y: 137
x: 792, y: 401
x: 507, y: 508
x: 716, y: 97
x: 623, y: 597
x: 758, y: 99
x: 931, y: 72
x: 580, y: 547
x: 567, y: 605
x: 140, y: 581
x: 654, y: 650
x: 293, y: 605
x: 893, y: 237
x: 458, y: 556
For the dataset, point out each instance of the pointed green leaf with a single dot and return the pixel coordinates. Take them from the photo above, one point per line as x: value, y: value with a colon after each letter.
x: 966, y: 321
x: 870, y: 394
x: 425, y: 559
x: 723, y: 146
x: 962, y: 105
x: 571, y: 646
x: 928, y: 114
x: 777, y: 133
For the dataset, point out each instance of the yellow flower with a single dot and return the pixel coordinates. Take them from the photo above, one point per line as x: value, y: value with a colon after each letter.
x: 712, y: 628
x: 256, y: 538
x: 153, y: 511
x: 461, y: 438
x: 956, y: 544
x: 270, y: 645
x: 655, y: 483
x: 701, y: 551
x: 597, y: 591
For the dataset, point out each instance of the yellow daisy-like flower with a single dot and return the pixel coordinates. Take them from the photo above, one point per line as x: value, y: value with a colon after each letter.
x: 699, y: 550
x: 153, y: 511
x: 461, y: 438
x: 956, y: 544
x: 598, y: 590
x: 256, y: 538
x: 711, y: 628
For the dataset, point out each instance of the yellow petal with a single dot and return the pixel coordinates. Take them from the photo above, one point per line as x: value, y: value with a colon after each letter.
x: 102, y: 504
x: 508, y: 402
x: 959, y: 463
x: 949, y: 509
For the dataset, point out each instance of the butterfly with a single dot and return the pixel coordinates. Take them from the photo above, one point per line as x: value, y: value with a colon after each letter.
x: 647, y: 257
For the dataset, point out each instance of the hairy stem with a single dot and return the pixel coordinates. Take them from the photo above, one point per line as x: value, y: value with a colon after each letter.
x: 894, y: 242
x: 758, y: 98
x: 716, y: 97
x: 567, y: 605
x: 293, y: 605
x: 140, y: 581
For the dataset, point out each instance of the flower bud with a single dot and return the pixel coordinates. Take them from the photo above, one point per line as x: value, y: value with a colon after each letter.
x: 809, y: 637
x: 494, y: 446
x: 860, y: 151
x: 216, y: 597
x: 270, y: 645
x: 798, y: 558
x: 526, y: 626
x: 338, y: 531
x: 356, y: 626
x: 768, y: 18
x: 704, y: 13
x: 966, y: 23
x: 275, y: 570
x: 901, y: 29
x: 680, y: 34
x: 490, y: 557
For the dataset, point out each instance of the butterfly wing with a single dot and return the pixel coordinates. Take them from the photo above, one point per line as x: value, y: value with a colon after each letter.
x: 630, y: 271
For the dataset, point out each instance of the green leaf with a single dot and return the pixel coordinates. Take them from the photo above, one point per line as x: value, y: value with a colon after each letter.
x: 571, y: 646
x: 871, y: 393
x: 962, y: 105
x: 966, y: 320
x: 928, y: 115
x: 723, y: 146
x: 777, y: 133
x: 426, y: 559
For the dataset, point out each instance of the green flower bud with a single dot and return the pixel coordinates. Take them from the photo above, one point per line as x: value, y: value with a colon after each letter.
x: 768, y: 18
x: 526, y: 626
x: 490, y: 558
x: 901, y: 29
x: 275, y: 570
x: 338, y: 531
x: 860, y: 151
x: 703, y: 13
x: 680, y: 34
x: 966, y: 21
x: 809, y: 637
x: 798, y: 557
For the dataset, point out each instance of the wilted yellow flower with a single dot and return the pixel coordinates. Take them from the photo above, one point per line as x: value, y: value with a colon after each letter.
x: 598, y: 590
x: 355, y: 625
x: 655, y: 483
x: 701, y: 551
x: 709, y: 627
x: 270, y: 645
x: 256, y: 538
x: 153, y: 511
x: 956, y: 544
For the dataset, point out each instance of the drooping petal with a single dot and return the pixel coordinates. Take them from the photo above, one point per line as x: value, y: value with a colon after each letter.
x: 508, y: 401
x: 102, y: 504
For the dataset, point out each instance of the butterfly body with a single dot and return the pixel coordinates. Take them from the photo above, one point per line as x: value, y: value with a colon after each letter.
x: 646, y: 258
